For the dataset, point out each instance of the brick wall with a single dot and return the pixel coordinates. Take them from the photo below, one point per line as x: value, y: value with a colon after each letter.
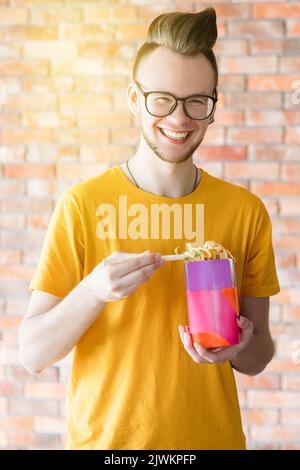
x: 65, y: 66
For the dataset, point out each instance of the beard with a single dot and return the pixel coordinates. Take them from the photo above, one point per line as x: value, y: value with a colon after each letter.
x: 182, y: 158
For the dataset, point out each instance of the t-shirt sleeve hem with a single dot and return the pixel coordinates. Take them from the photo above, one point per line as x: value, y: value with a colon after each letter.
x: 46, y: 288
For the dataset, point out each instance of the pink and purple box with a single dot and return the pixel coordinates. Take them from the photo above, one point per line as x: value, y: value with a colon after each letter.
x: 212, y: 302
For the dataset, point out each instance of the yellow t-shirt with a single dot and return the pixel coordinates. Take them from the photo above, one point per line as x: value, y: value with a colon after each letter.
x: 133, y: 386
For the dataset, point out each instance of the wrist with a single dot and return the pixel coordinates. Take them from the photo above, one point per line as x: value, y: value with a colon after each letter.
x: 92, y: 291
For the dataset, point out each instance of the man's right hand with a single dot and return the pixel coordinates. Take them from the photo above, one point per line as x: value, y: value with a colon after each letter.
x: 117, y: 281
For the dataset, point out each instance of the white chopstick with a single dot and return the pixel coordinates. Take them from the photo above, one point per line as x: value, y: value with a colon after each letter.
x: 173, y: 257
x: 125, y: 257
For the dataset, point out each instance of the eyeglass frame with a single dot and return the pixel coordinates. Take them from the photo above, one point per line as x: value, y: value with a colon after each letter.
x: 146, y: 93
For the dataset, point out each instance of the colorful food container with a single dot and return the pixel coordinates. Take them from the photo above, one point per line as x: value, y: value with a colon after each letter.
x: 212, y: 302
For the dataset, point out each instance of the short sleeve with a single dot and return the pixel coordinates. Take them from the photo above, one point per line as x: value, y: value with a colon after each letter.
x: 61, y: 263
x: 260, y: 277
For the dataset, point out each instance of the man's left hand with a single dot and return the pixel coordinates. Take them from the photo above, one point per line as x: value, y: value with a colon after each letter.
x: 218, y: 355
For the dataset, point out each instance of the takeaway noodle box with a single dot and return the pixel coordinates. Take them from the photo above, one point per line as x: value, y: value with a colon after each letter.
x: 212, y: 302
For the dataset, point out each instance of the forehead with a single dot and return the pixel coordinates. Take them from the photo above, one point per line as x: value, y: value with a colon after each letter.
x: 166, y: 70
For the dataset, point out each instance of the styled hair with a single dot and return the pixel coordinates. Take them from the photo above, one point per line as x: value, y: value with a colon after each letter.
x: 187, y: 34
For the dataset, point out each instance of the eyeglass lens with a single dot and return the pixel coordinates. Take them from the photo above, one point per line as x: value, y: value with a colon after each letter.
x: 197, y: 107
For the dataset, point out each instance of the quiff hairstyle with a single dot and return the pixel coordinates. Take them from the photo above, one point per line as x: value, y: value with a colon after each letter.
x: 187, y: 34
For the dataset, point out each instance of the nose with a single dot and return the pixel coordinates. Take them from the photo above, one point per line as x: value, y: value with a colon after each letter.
x: 178, y: 116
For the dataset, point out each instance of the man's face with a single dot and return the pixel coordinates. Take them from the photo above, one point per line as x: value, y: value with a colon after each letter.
x: 164, y: 70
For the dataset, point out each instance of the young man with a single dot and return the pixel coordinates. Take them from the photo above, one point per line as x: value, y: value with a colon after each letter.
x: 137, y: 382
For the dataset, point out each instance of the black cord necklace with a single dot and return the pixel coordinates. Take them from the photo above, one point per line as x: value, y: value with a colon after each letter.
x: 195, y: 183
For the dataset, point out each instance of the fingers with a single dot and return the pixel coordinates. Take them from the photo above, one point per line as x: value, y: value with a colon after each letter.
x: 141, y: 275
x: 247, y: 331
x: 137, y: 262
x: 186, y: 339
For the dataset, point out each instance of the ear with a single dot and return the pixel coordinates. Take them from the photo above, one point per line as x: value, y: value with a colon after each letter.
x: 132, y: 99
x: 211, y: 118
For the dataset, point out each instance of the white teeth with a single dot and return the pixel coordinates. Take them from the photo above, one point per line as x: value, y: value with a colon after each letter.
x: 175, y: 135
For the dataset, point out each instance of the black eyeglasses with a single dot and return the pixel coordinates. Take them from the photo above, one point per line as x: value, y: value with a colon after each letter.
x: 160, y: 104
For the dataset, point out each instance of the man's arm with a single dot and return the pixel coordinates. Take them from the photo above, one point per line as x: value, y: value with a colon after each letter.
x: 258, y: 353
x: 52, y: 327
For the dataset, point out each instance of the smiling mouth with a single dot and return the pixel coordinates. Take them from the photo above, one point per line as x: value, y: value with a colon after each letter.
x: 175, y: 137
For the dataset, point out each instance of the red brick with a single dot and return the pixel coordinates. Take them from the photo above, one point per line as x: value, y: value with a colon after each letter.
x: 48, y: 15
x: 125, y: 136
x: 16, y: 422
x: 31, y: 32
x: 286, y: 242
x: 290, y: 417
x: 26, y: 136
x: 289, y: 64
x: 16, y: 272
x: 11, y: 188
x: 9, y: 322
x: 41, y: 188
x: 260, y: 417
x: 31, y: 101
x: 279, y: 365
x: 228, y: 152
x: 276, y: 189
x: 215, y: 136
x: 27, y: 205
x: 131, y: 31
x: 232, y: 83
x: 254, y: 135
x: 22, y: 68
x: 292, y: 135
x: 11, y: 221
x: 248, y: 170
x: 38, y: 221
x: 32, y: 407
x: 290, y: 171
x: 49, y: 424
x: 11, y: 388
x: 30, y: 238
x: 254, y: 100
x: 274, y: 152
x: 79, y: 170
x: 247, y: 65
x: 275, y: 433
x: 254, y: 28
x: 272, y: 118
x: 52, y: 391
x: 33, y: 441
x: 29, y: 171
x: 291, y: 313
x: 20, y: 374
x: 13, y: 16
x: 273, y: 399
x: 276, y: 10
x: 8, y: 257
x: 105, y: 118
x: 286, y: 225
x: 3, y: 439
x: 286, y: 261
x: 293, y: 27
x: 259, y: 381
x: 49, y: 49
x: 291, y: 382
x: 230, y: 47
x: 91, y: 101
x: 229, y: 118
x: 3, y: 405
x: 13, y: 153
x: 263, y: 46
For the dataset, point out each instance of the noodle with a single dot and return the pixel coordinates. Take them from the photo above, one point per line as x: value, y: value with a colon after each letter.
x: 209, y: 251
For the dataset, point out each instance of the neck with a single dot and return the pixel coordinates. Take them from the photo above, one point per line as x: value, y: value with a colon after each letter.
x: 160, y: 177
